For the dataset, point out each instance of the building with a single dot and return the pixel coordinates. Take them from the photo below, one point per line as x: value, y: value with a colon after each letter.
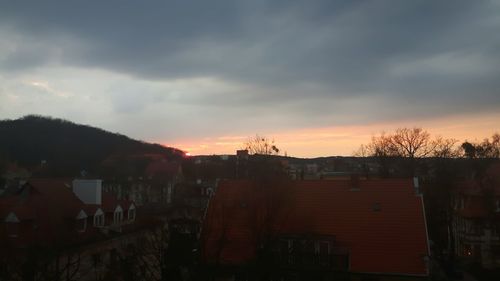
x: 154, y: 185
x: 59, y: 226
x: 317, y: 230
x: 476, y: 219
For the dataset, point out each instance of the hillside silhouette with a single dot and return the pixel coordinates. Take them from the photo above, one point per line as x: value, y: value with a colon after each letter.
x: 62, y: 148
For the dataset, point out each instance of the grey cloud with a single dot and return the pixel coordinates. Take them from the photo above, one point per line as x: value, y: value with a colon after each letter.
x: 304, y: 58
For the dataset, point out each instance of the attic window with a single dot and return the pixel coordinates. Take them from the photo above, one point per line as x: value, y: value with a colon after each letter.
x: 12, y: 225
x: 81, y: 221
x: 118, y: 215
x: 99, y: 218
x: 376, y: 207
x: 81, y: 224
x: 131, y: 213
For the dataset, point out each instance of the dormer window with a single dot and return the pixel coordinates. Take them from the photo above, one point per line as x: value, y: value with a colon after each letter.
x: 131, y: 213
x: 81, y: 221
x: 81, y: 225
x: 12, y: 225
x: 99, y: 218
x: 118, y: 215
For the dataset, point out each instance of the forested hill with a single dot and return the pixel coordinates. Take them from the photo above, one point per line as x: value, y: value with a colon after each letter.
x: 67, y: 148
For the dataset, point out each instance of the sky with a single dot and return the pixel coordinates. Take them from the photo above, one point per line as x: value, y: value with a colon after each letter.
x: 318, y: 77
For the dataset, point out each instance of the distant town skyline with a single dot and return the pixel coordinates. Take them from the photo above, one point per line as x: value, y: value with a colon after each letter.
x: 320, y: 77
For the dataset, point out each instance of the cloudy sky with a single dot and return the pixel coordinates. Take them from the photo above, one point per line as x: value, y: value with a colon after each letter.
x: 320, y: 77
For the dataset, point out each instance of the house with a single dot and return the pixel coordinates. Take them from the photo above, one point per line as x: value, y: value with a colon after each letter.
x: 154, y: 185
x: 314, y: 229
x: 48, y: 210
x: 59, y: 222
x: 476, y: 219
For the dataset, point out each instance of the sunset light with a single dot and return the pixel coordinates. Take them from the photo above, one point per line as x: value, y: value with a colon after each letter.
x: 255, y: 140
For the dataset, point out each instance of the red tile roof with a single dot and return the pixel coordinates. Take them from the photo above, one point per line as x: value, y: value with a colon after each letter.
x: 110, y: 202
x: 50, y: 204
x: 50, y: 208
x: 392, y: 240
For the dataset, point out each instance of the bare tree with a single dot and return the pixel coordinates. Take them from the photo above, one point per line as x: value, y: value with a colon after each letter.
x: 445, y: 148
x: 261, y: 145
x: 410, y: 144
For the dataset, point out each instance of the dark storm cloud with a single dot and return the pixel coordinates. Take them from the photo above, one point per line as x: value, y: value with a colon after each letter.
x: 308, y: 56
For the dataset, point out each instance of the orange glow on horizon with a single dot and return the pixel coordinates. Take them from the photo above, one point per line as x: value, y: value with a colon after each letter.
x: 344, y: 140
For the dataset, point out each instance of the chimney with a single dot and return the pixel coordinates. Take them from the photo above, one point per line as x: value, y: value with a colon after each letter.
x: 416, y: 185
x: 89, y: 191
x: 242, y: 153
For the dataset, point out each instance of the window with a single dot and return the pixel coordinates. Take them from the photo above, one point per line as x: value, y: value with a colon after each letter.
x: 131, y: 213
x: 498, y: 206
x: 323, y: 249
x: 81, y: 224
x: 467, y: 250
x: 99, y: 220
x: 12, y: 225
x: 284, y: 251
x: 81, y: 221
x: 118, y: 215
